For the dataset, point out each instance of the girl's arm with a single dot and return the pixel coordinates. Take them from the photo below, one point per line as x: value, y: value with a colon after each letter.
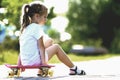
x: 42, y: 50
x: 19, y: 61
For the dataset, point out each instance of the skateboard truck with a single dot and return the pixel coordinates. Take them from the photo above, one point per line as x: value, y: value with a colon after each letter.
x: 44, y: 72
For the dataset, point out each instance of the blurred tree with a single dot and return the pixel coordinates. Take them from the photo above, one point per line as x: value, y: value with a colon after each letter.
x: 91, y: 21
x: 54, y: 34
x: 108, y: 23
x: 51, y: 32
x: 13, y: 11
x: 0, y: 3
x: 83, y: 16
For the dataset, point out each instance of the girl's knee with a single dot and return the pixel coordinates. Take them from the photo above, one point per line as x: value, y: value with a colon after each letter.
x: 56, y: 45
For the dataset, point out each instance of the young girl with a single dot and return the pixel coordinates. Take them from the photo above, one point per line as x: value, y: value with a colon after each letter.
x: 34, y: 50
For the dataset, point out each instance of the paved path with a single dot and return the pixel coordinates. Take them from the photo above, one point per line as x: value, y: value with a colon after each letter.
x: 108, y: 69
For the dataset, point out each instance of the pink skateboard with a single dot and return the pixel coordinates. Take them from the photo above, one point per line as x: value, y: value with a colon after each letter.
x: 43, y: 69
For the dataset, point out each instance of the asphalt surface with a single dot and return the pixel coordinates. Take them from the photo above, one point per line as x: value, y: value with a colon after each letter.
x: 107, y: 69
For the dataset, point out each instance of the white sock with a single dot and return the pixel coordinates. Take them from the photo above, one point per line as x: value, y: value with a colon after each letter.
x: 78, y: 70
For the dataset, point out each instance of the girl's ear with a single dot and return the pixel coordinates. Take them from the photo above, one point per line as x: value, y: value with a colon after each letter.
x: 37, y: 15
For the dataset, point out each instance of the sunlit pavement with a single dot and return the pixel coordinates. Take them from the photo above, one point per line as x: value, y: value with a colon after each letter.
x: 107, y: 69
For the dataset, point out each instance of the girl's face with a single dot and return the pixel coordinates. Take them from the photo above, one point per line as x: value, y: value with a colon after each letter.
x: 40, y: 19
x: 43, y: 19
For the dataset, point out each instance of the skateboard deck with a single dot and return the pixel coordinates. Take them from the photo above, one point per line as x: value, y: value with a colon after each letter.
x: 43, y: 69
x: 27, y: 66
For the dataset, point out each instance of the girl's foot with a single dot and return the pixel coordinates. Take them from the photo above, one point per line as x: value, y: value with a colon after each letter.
x: 76, y: 71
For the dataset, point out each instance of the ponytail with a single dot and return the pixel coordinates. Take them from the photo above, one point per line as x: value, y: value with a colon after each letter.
x: 28, y: 11
x: 25, y: 19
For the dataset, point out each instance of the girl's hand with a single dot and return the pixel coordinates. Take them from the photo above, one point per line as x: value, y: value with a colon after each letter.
x: 44, y: 63
x: 47, y: 41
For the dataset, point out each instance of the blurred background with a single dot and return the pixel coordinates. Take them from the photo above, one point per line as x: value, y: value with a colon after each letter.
x: 81, y: 27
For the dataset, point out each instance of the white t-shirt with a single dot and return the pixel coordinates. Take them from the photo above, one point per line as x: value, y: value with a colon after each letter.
x: 29, y: 51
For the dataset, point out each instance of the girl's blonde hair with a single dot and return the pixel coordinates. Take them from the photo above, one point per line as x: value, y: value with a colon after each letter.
x: 28, y: 11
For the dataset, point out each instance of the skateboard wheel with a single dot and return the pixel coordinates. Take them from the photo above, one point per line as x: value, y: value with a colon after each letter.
x: 11, y: 74
x: 50, y: 72
x: 18, y: 73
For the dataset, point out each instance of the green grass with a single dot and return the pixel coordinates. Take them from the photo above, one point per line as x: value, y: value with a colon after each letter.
x: 10, y: 56
x: 78, y: 58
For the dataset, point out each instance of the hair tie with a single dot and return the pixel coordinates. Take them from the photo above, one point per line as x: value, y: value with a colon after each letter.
x: 26, y: 9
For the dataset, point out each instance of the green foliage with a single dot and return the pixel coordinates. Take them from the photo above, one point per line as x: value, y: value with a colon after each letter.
x: 83, y: 16
x: 90, y: 22
x: 91, y: 42
x: 54, y: 34
x: 66, y: 45
x: 116, y: 43
x: 9, y: 43
x: 14, y: 10
x: 50, y: 16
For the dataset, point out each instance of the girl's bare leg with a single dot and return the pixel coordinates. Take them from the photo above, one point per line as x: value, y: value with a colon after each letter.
x: 55, y: 49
